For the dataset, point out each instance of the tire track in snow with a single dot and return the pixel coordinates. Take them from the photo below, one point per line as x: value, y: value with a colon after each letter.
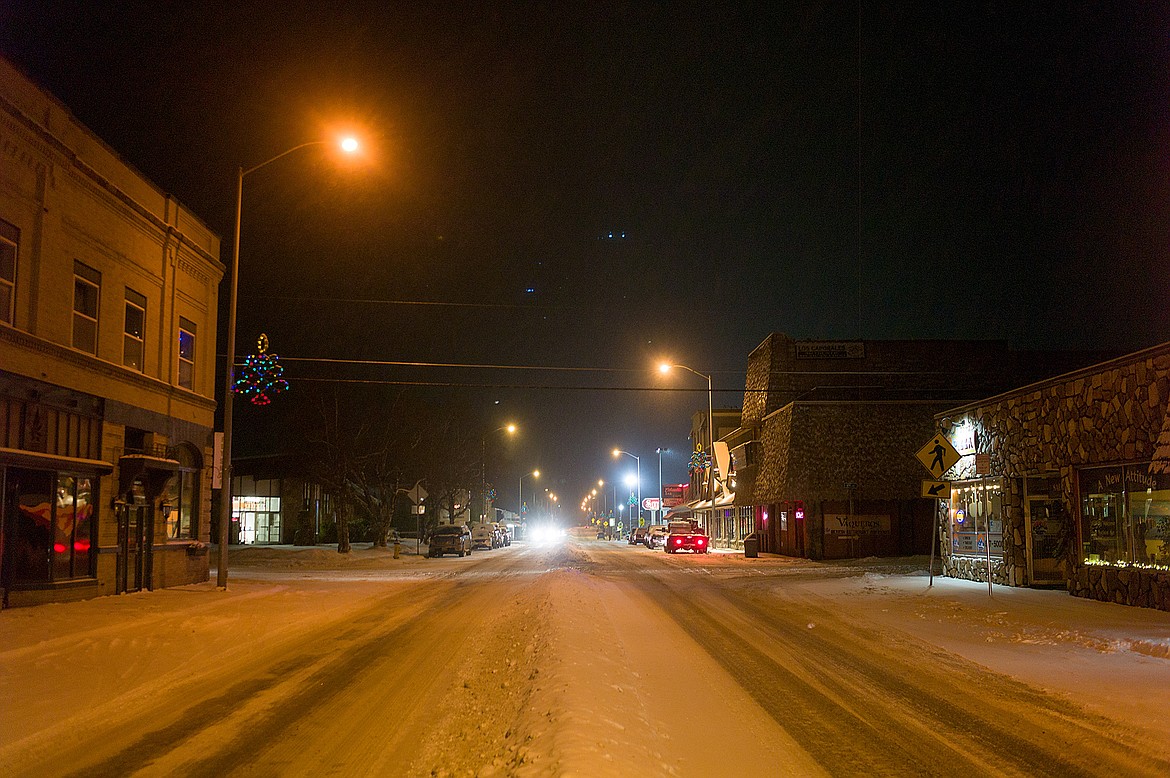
x: 828, y: 691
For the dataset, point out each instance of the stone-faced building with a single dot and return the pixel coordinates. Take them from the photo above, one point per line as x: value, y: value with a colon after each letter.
x: 824, y: 459
x: 1065, y: 478
x: 108, y: 292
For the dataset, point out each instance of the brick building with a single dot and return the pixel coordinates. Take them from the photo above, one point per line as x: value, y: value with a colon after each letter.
x: 108, y: 292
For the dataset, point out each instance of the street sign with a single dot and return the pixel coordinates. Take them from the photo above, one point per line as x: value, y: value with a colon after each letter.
x: 651, y: 504
x: 417, y: 494
x: 983, y: 464
x: 938, y: 455
x: 938, y: 489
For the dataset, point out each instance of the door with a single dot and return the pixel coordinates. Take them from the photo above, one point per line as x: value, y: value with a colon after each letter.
x: 1047, y: 530
x: 132, y: 549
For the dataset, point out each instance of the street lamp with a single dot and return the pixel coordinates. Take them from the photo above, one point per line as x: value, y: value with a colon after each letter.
x: 349, y: 146
x: 665, y: 367
x: 617, y: 452
x: 511, y: 430
x: 661, y: 509
x: 520, y: 507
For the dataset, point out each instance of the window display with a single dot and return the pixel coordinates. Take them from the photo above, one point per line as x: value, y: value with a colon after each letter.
x: 976, y: 513
x: 1125, y: 516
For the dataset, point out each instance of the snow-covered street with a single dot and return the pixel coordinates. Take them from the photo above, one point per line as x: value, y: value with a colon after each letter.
x: 586, y: 658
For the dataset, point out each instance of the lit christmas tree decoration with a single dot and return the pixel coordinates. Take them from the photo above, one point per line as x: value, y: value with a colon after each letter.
x: 261, y: 376
x: 699, y: 461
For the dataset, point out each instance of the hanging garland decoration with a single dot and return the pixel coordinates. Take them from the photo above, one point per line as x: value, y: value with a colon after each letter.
x: 261, y: 376
x: 491, y: 495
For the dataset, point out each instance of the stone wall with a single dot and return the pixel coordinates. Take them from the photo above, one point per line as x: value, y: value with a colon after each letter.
x: 1108, y: 415
x: 975, y: 569
x: 1122, y: 585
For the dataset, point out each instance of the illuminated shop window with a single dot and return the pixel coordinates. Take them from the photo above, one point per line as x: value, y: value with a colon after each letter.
x: 976, y: 517
x: 180, y: 497
x: 1125, y: 516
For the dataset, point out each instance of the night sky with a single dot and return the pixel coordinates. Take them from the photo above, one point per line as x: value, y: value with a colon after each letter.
x: 987, y: 171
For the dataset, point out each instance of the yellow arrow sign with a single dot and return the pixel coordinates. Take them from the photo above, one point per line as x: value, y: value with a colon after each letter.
x: 937, y: 489
x: 938, y: 456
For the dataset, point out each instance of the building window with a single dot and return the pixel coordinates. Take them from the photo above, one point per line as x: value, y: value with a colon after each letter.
x: 87, y: 287
x: 180, y: 498
x: 976, y: 517
x: 9, y: 242
x: 49, y: 526
x: 186, y: 353
x: 256, y: 505
x: 1125, y: 516
x: 134, y: 337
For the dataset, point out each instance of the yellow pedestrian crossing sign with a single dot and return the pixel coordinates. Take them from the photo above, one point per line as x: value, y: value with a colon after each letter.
x: 938, y: 456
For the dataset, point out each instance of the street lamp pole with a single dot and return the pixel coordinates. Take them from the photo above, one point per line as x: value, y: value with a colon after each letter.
x: 225, y: 509
x: 665, y: 368
x: 618, y: 452
x: 661, y: 509
x: 511, y: 428
x: 520, y: 506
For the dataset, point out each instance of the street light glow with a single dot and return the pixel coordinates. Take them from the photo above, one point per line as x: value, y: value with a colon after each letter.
x: 349, y: 144
x: 511, y: 428
x: 664, y: 367
x: 617, y: 452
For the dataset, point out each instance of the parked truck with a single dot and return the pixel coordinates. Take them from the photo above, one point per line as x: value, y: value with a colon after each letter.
x: 686, y: 535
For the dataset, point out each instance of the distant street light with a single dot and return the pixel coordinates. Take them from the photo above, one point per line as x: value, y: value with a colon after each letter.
x: 511, y: 430
x: 665, y: 367
x: 350, y: 146
x: 617, y: 452
x: 520, y: 509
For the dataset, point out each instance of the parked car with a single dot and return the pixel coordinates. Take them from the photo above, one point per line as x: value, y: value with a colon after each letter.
x: 450, y: 539
x: 483, y: 535
x: 638, y: 535
x: 656, y: 536
x: 505, y: 535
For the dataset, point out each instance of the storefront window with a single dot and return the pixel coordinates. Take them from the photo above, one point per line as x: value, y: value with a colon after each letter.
x: 71, y: 537
x: 179, y: 497
x: 49, y: 526
x: 976, y: 517
x: 1125, y: 516
x: 256, y: 506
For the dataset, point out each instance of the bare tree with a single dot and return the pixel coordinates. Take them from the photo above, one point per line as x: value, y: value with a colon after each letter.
x: 336, y: 463
x: 450, y: 458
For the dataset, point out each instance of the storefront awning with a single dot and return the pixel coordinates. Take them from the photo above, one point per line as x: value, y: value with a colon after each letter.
x: 722, y: 501
x: 22, y: 458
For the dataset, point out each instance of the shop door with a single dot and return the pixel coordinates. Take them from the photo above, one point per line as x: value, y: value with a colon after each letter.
x: 132, y: 550
x: 1047, y: 528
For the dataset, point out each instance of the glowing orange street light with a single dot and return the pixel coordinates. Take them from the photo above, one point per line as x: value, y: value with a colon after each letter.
x: 350, y: 146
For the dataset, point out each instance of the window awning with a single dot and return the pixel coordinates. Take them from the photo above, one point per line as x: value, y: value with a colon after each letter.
x: 21, y: 458
x: 721, y: 501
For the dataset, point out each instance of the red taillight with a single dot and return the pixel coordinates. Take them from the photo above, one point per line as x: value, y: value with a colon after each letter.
x: 678, y: 541
x: 59, y: 548
x: 700, y: 542
x: 81, y: 545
